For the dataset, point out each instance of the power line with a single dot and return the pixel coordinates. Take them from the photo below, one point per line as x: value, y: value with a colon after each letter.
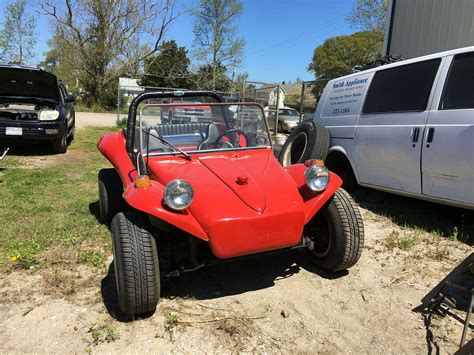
x: 296, y: 38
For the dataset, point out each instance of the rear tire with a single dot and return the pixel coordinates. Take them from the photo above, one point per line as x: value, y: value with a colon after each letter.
x: 308, y: 140
x: 335, y: 236
x: 110, y: 195
x: 137, y: 271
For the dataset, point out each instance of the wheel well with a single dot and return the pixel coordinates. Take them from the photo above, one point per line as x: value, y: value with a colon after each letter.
x: 337, y: 161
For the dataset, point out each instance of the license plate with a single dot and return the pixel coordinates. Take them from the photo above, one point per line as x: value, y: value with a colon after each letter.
x: 13, y: 131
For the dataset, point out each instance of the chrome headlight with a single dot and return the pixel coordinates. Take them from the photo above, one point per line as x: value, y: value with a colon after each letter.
x: 178, y: 194
x: 317, y: 177
x: 48, y: 115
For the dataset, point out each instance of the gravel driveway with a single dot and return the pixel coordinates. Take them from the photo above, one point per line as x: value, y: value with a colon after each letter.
x: 95, y: 119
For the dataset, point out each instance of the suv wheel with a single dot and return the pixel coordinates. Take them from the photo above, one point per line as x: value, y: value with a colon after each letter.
x: 137, y: 271
x: 335, y: 236
x: 60, y: 145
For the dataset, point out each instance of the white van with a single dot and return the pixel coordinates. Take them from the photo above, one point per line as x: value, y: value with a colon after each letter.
x: 405, y: 128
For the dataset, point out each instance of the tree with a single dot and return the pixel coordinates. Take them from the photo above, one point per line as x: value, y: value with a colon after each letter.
x: 240, y: 84
x: 215, y: 35
x: 293, y: 97
x: 55, y: 63
x: 369, y: 15
x: 208, y: 76
x: 18, y: 34
x: 168, y: 68
x: 102, y: 40
x: 338, y: 56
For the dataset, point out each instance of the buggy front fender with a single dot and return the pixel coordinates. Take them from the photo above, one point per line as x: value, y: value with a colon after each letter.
x: 150, y: 200
x: 313, y: 201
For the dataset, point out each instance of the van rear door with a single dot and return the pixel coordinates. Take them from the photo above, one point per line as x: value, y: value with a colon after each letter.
x: 390, y: 129
x: 448, y: 143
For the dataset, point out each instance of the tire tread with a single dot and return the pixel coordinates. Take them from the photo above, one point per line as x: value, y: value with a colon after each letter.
x: 139, y: 258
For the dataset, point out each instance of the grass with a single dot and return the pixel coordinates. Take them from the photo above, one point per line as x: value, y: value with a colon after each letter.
x: 423, y: 217
x: 52, y: 207
x: 404, y: 242
x: 102, y: 333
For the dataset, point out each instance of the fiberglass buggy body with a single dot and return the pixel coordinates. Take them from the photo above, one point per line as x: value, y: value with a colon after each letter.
x: 182, y: 196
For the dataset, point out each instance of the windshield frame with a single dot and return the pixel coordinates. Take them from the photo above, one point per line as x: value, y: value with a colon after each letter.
x: 228, y: 123
x: 130, y: 144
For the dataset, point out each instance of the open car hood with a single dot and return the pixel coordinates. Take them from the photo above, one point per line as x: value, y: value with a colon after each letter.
x: 20, y: 84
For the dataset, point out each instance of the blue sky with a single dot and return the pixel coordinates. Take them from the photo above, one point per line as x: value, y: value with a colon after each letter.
x: 280, y: 34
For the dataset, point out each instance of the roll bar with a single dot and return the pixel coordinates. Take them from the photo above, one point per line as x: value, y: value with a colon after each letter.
x: 132, y: 111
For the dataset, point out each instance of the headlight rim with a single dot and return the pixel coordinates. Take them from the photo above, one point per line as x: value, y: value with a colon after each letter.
x: 169, y: 201
x: 56, y: 112
x: 325, y: 174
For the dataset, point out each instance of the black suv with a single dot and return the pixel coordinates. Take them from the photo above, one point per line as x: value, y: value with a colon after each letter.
x: 34, y: 106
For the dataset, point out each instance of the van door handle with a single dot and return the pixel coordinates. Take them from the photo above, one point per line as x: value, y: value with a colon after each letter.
x: 415, y: 134
x: 429, y: 137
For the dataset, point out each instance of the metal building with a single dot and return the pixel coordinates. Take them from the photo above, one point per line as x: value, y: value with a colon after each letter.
x: 419, y: 27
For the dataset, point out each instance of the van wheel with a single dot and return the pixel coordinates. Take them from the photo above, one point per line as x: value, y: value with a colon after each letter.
x: 335, y: 236
x: 110, y: 194
x: 137, y: 271
x: 308, y: 140
x: 338, y: 164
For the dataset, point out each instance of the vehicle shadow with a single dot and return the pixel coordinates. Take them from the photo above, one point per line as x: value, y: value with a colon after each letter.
x: 94, y: 210
x: 30, y: 149
x: 453, y: 292
x: 225, y: 279
x: 108, y: 291
x: 242, y: 276
x: 447, y: 221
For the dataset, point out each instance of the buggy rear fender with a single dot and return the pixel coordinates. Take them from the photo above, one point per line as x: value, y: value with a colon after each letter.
x: 150, y: 199
x: 313, y: 201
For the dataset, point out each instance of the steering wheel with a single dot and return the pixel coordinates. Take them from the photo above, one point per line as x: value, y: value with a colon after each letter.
x: 232, y: 130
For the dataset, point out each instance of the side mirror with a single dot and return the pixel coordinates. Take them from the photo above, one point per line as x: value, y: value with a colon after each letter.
x: 69, y: 98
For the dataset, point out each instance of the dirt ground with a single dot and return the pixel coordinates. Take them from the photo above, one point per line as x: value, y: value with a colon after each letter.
x: 275, y: 303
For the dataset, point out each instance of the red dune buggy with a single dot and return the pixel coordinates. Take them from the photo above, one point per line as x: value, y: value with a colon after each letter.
x: 185, y: 195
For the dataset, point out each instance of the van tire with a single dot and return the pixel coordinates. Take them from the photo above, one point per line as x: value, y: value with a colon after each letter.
x: 308, y: 140
x: 137, y: 270
x: 339, y: 164
x: 336, y: 234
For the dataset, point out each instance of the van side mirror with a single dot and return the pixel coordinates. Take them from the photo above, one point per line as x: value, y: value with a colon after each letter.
x: 69, y: 98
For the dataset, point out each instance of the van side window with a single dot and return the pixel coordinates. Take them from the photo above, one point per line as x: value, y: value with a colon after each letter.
x: 403, y: 88
x: 459, y: 90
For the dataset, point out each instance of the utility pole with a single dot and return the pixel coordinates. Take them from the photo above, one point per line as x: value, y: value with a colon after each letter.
x: 302, y: 100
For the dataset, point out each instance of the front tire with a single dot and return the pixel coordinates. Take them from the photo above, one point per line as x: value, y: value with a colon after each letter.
x: 335, y: 236
x: 137, y: 271
x: 60, y: 145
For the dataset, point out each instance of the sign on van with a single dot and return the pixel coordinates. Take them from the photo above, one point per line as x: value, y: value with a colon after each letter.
x: 345, y: 96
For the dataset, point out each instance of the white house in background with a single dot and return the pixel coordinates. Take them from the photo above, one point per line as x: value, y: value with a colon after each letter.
x: 129, y: 87
x: 269, y: 94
